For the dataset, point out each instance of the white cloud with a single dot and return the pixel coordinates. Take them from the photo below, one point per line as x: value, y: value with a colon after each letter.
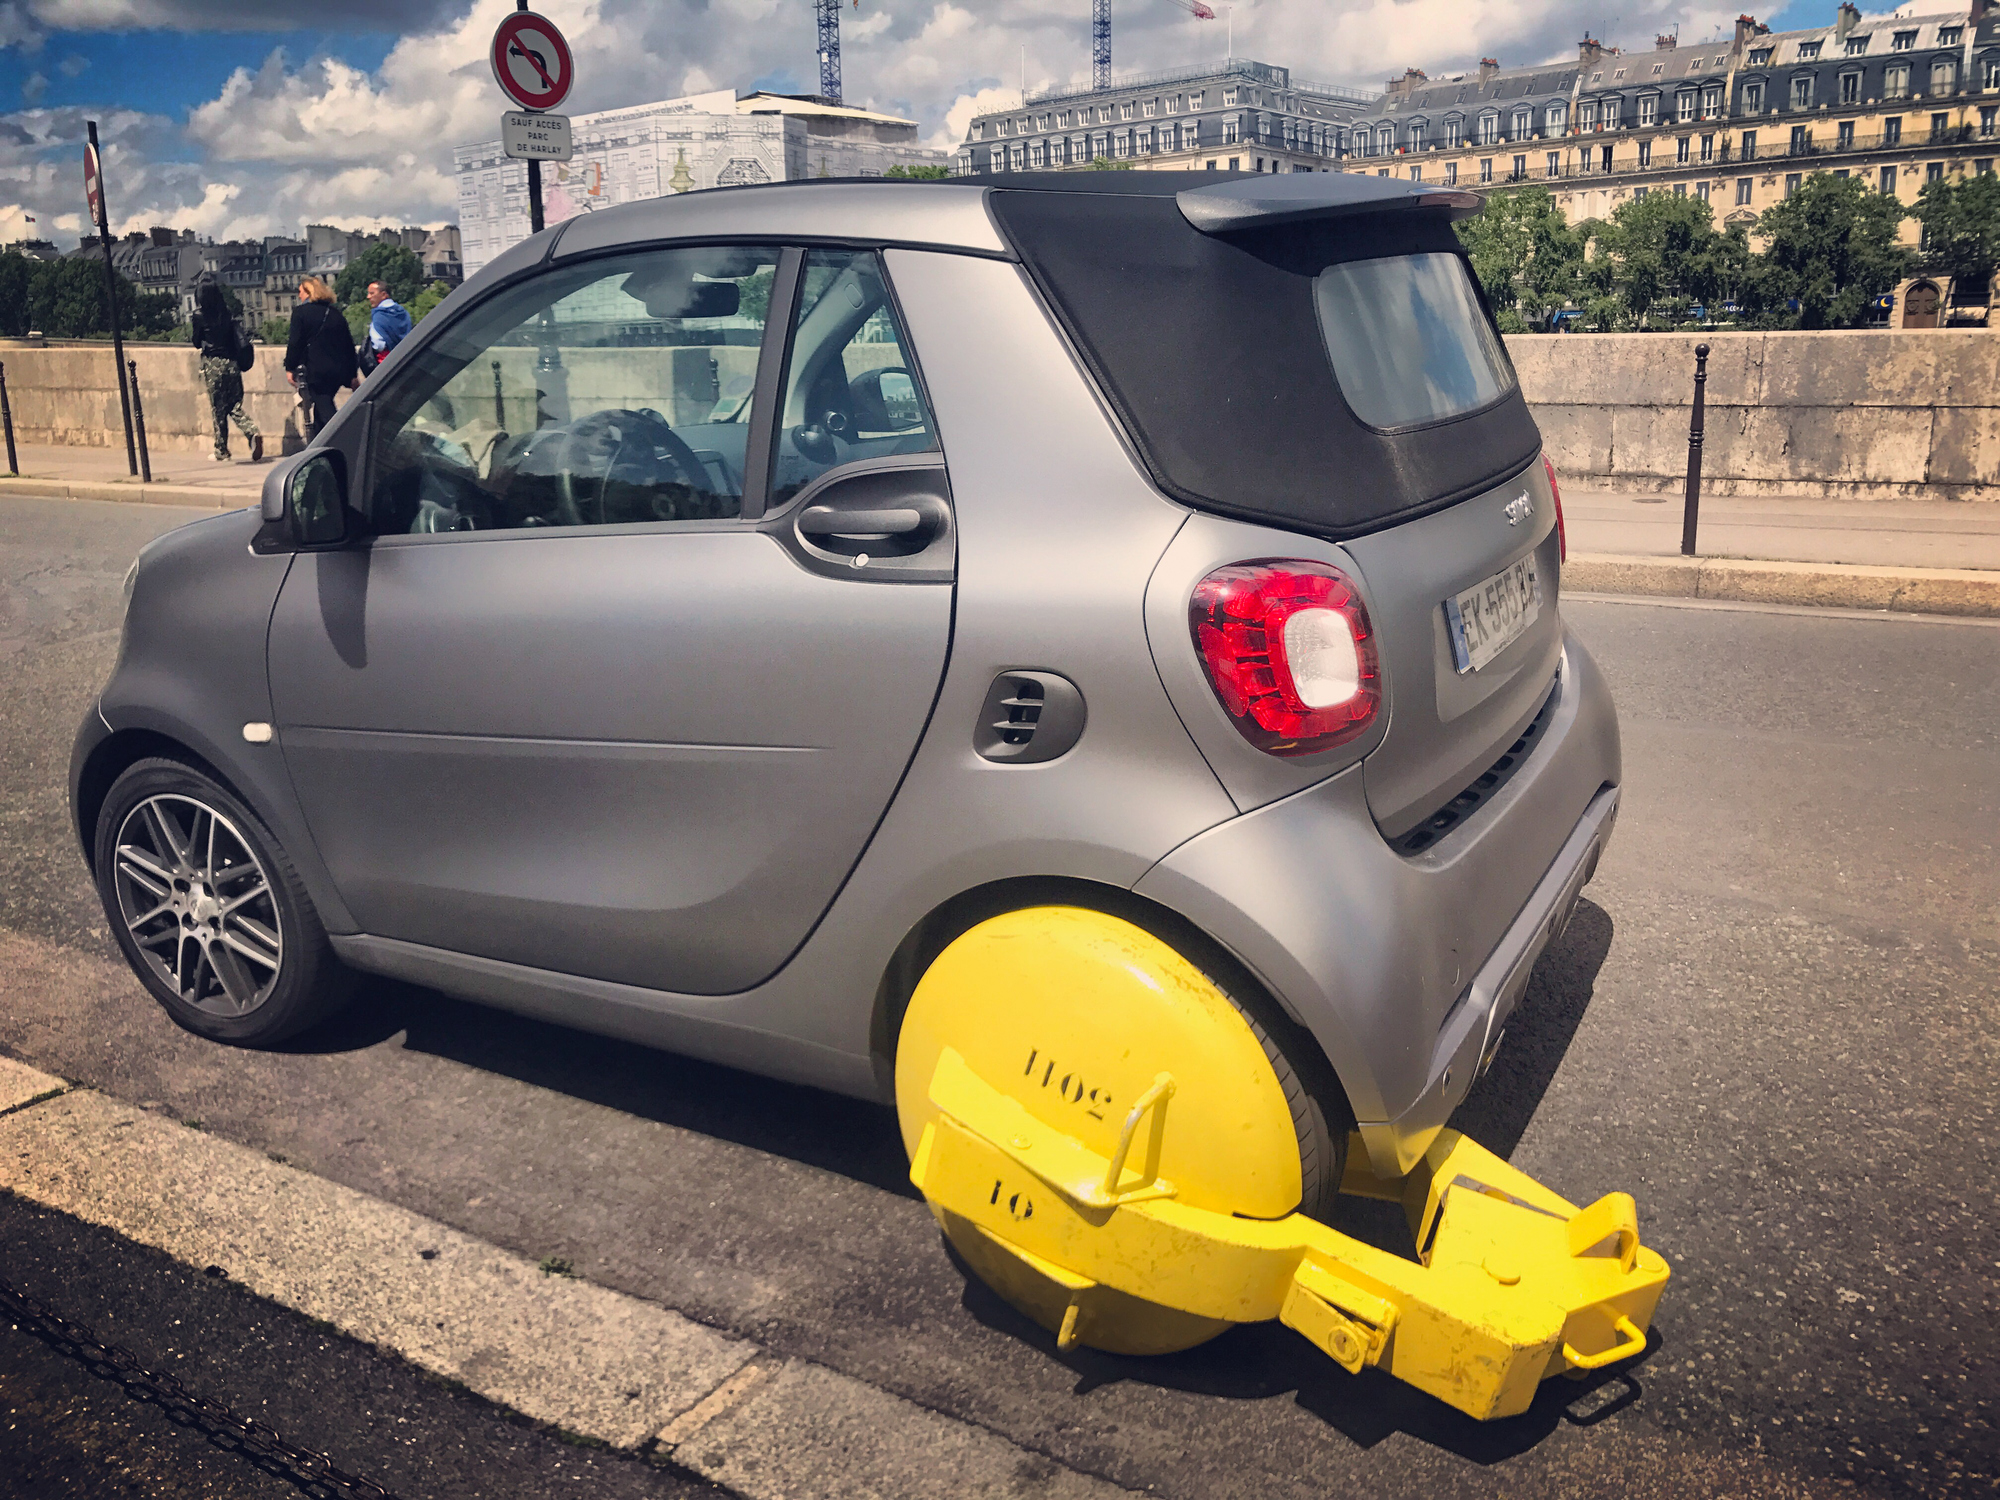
x: 318, y: 140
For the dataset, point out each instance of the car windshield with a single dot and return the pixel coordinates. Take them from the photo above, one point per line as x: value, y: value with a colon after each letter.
x: 1408, y: 340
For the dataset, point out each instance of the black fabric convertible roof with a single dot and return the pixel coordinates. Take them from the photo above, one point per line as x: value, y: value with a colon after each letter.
x: 1207, y: 344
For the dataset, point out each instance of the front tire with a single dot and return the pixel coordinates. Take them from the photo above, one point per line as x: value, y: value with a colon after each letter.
x: 209, y: 911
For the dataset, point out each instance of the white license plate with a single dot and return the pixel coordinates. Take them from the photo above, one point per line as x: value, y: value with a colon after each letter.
x: 1488, y: 618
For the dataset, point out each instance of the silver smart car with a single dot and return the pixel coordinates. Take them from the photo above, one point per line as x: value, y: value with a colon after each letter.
x: 722, y: 603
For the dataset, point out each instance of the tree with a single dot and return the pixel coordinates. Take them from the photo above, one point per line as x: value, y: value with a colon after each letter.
x: 922, y: 172
x: 16, y: 279
x: 428, y: 299
x: 1656, y: 258
x: 396, y: 268
x: 1830, y: 249
x: 1962, y: 234
x: 1106, y: 164
x: 65, y: 298
x: 1525, y: 255
x: 275, y: 330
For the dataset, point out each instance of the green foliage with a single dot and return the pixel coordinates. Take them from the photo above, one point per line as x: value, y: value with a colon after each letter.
x: 65, y: 299
x: 1106, y: 164
x: 922, y: 173
x: 275, y: 330
x: 1656, y: 258
x: 754, y: 294
x: 1525, y: 255
x: 1962, y: 233
x: 395, y: 267
x: 1831, y: 247
x: 357, y: 313
x: 427, y: 299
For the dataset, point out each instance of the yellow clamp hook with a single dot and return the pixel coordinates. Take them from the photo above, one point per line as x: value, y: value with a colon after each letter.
x: 1515, y: 1284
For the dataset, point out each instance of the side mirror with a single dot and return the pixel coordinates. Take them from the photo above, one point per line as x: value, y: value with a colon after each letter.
x: 316, y: 501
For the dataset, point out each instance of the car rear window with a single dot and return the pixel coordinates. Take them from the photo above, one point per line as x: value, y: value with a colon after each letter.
x: 1409, y: 341
x: 1209, y: 350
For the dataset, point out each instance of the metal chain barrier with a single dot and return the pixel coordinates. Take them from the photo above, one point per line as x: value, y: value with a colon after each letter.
x: 313, y: 1473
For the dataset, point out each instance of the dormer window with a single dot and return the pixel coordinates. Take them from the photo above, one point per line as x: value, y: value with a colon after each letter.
x: 1753, y: 98
x: 1948, y: 36
x: 1857, y: 46
x: 1802, y: 91
x: 1903, y: 41
x: 1618, y: 75
x: 1761, y: 57
x: 1658, y: 69
x: 1808, y: 51
x: 1597, y: 78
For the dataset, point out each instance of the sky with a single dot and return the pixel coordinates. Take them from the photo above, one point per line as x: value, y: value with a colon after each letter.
x: 228, y: 118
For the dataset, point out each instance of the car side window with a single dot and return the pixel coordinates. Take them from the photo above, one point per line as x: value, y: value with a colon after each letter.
x: 607, y: 393
x: 850, y: 391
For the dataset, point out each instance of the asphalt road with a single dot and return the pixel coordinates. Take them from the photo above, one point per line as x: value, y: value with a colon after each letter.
x: 1773, y: 1021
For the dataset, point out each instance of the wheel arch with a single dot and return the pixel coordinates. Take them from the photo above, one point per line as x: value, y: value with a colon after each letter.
x: 112, y: 757
x: 948, y: 920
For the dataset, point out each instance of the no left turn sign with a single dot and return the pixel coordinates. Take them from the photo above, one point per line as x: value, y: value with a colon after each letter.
x: 531, y: 61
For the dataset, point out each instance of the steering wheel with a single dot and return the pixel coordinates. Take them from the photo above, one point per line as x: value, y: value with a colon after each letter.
x: 599, y: 443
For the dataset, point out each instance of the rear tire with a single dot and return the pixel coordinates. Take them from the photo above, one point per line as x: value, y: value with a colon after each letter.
x: 209, y: 911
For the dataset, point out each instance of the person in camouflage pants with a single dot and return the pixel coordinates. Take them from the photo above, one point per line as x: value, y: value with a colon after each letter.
x: 225, y: 400
x: 219, y: 340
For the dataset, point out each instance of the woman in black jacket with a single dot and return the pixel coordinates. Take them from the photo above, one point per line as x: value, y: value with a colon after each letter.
x: 319, y: 356
x: 220, y: 342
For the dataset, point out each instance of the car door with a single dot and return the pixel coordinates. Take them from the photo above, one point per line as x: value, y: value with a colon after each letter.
x: 584, y: 698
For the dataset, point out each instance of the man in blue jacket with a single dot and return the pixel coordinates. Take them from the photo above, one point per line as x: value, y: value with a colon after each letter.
x: 388, y: 325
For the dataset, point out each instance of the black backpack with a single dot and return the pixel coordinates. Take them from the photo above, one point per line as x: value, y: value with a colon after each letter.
x: 246, y: 352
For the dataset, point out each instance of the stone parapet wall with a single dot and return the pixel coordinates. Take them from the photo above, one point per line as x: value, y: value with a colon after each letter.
x: 1888, y: 415
x: 68, y: 394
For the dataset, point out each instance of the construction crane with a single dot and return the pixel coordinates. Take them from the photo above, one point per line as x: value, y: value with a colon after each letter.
x: 1100, y: 35
x: 829, y: 48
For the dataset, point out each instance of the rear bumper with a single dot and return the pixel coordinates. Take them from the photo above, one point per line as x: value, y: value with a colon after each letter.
x: 1406, y: 968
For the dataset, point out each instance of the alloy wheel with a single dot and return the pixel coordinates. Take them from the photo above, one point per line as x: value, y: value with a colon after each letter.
x: 198, y: 904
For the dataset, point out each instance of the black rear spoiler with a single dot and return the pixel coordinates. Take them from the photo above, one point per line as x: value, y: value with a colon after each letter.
x: 1263, y: 202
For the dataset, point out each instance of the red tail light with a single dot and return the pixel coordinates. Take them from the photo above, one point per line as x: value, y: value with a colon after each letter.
x: 1562, y: 536
x: 1290, y: 653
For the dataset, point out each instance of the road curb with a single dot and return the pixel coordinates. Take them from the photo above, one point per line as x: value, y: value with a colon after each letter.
x: 587, y: 1360
x: 129, y: 492
x: 1933, y: 591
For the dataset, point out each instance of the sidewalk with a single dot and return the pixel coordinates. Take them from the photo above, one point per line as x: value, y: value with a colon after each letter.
x: 1914, y: 556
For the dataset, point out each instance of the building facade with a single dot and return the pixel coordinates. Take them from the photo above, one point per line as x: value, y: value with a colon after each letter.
x: 1895, y: 101
x: 676, y: 146
x: 1235, y: 116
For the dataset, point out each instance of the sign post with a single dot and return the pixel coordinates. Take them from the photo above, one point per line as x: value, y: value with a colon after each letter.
x: 93, y: 194
x: 532, y: 63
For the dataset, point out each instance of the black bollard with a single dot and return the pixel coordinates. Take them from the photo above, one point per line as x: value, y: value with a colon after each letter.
x: 139, y: 422
x: 499, y: 400
x: 7, y: 420
x: 1692, y: 511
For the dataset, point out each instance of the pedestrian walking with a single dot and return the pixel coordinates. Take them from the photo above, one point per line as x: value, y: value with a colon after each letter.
x: 225, y: 355
x: 388, y: 325
x: 319, y: 355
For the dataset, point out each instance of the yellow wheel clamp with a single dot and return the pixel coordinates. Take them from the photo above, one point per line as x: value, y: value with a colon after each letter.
x: 1104, y: 1246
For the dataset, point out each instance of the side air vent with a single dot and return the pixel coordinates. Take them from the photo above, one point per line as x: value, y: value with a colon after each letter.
x: 1489, y: 781
x: 1029, y: 717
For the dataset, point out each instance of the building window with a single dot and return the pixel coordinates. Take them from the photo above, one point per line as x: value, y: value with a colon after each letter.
x: 1802, y: 91
x: 1986, y: 112
x: 1638, y: 193
x: 1522, y: 127
x: 1989, y: 73
x: 1791, y: 183
x: 1808, y: 51
x: 1753, y: 98
x: 1944, y: 77
x: 1760, y: 57
x: 1607, y: 111
x: 1902, y: 41
x: 1948, y: 36
x: 1801, y: 140
x: 1520, y: 169
x: 1933, y: 171
x: 1684, y: 106
x: 1150, y: 108
x: 1982, y: 166
x: 1843, y: 136
x: 1489, y: 129
x: 1850, y: 88
x: 1553, y: 117
x: 1645, y: 153
x: 1889, y: 180
x: 1940, y: 127
x: 1606, y: 159
x: 1586, y: 117
x: 1680, y: 190
x: 1228, y: 102
x: 1195, y: 101
x: 1649, y: 110
x: 1682, y: 147
x: 1454, y: 133
x: 1451, y: 174
x: 1856, y: 46
x: 1554, y: 164
x: 1743, y: 192
x: 1708, y: 148
x: 1892, y: 132
x: 1229, y: 133
x: 1416, y: 174
x: 1896, y: 81
x: 1711, y: 101
x: 1417, y: 129
x: 1486, y: 169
